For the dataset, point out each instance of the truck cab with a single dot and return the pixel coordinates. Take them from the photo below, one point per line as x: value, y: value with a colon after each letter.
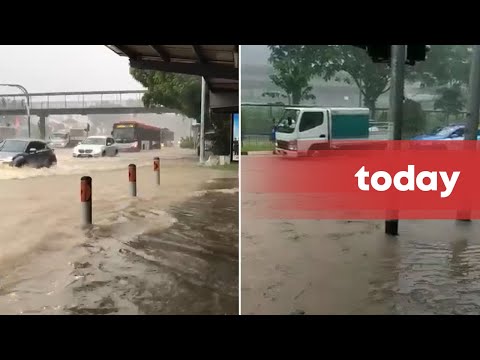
x: 302, y: 130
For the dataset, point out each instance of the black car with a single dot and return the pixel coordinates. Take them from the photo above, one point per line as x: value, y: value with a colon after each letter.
x: 27, y: 152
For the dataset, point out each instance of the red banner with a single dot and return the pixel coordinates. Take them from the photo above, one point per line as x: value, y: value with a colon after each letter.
x: 370, y: 180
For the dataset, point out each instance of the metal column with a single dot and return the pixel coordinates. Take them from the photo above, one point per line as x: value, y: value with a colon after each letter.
x: 396, y: 109
x: 202, y: 122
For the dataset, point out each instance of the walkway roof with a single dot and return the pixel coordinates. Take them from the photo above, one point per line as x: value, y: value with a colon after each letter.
x: 218, y: 64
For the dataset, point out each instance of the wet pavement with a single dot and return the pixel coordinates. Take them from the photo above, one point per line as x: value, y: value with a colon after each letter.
x: 352, y: 267
x: 171, y: 250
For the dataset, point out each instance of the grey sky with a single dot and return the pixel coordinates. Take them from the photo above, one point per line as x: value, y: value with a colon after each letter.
x: 50, y: 68
x: 255, y: 54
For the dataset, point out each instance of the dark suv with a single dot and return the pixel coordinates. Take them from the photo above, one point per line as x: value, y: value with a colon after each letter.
x: 27, y: 152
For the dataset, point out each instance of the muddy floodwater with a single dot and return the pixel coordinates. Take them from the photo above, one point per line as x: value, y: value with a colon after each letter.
x: 352, y: 267
x: 171, y: 250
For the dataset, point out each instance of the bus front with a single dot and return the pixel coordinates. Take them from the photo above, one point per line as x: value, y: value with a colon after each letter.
x: 125, y: 136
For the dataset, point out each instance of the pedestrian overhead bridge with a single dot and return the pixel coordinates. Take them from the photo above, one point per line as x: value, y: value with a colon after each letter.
x: 78, y: 103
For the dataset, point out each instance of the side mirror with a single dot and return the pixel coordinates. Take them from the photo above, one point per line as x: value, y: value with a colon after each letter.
x: 454, y: 135
x: 33, y: 151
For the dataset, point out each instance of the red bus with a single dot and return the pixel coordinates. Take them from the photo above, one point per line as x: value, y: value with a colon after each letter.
x: 135, y: 136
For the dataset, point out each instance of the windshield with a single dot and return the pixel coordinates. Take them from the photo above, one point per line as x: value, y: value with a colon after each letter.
x: 445, y: 131
x: 94, y: 141
x: 124, y: 135
x: 288, y: 122
x: 15, y: 146
x: 58, y: 136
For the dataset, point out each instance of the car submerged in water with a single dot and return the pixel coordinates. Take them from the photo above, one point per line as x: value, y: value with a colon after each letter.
x: 27, y: 152
x: 96, y: 146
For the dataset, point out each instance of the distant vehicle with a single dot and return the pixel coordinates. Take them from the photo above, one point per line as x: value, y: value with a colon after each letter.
x: 68, y: 138
x: 27, y: 152
x: 96, y: 146
x: 446, y: 133
x: 59, y: 139
x: 167, y: 137
x: 135, y: 136
x: 7, y: 132
x: 76, y: 136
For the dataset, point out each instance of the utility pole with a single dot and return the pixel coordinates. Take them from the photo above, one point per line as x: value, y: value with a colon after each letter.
x: 471, y: 127
x: 396, y: 109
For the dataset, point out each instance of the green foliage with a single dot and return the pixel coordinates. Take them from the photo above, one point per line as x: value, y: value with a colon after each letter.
x: 451, y: 100
x: 293, y: 70
x: 372, y: 79
x: 177, y: 91
x: 414, y: 119
x: 187, y: 142
x: 446, y: 65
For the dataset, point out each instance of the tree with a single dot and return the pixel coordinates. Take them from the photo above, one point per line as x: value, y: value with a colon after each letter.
x: 177, y: 91
x: 446, y: 65
x: 372, y: 79
x: 450, y: 101
x: 414, y: 119
x: 293, y: 67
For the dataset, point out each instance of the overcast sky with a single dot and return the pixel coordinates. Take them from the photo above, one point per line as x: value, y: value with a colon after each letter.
x: 57, y: 68
x: 255, y: 54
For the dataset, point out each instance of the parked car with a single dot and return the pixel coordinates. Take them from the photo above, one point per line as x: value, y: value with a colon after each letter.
x: 27, y: 152
x: 96, y: 146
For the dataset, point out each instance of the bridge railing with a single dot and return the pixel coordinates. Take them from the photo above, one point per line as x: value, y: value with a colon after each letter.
x: 73, y: 100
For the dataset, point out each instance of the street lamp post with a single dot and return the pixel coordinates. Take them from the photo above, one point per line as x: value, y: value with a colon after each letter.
x: 27, y: 95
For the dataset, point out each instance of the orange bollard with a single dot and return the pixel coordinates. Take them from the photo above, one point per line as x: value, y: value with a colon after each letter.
x: 86, y: 199
x: 132, y: 178
x: 156, y: 169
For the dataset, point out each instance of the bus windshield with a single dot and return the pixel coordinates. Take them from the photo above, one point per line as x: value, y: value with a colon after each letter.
x: 124, y: 135
x: 288, y: 121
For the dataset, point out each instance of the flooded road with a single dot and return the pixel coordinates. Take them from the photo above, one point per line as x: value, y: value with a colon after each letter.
x: 352, y: 267
x: 171, y: 250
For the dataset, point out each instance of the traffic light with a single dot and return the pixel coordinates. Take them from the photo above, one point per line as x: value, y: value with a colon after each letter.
x: 416, y: 53
x: 379, y: 53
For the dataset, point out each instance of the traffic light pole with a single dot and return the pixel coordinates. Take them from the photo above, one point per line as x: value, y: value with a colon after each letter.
x: 471, y: 127
x: 396, y: 109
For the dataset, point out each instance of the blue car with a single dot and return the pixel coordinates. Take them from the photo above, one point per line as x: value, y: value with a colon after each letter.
x: 447, y: 133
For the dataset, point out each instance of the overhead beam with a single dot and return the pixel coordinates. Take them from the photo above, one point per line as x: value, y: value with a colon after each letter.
x: 198, y: 52
x: 126, y: 51
x: 160, y: 50
x: 205, y: 70
x: 202, y: 60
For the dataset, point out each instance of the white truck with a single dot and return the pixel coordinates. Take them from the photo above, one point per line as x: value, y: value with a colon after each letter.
x: 68, y: 139
x: 304, y: 131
